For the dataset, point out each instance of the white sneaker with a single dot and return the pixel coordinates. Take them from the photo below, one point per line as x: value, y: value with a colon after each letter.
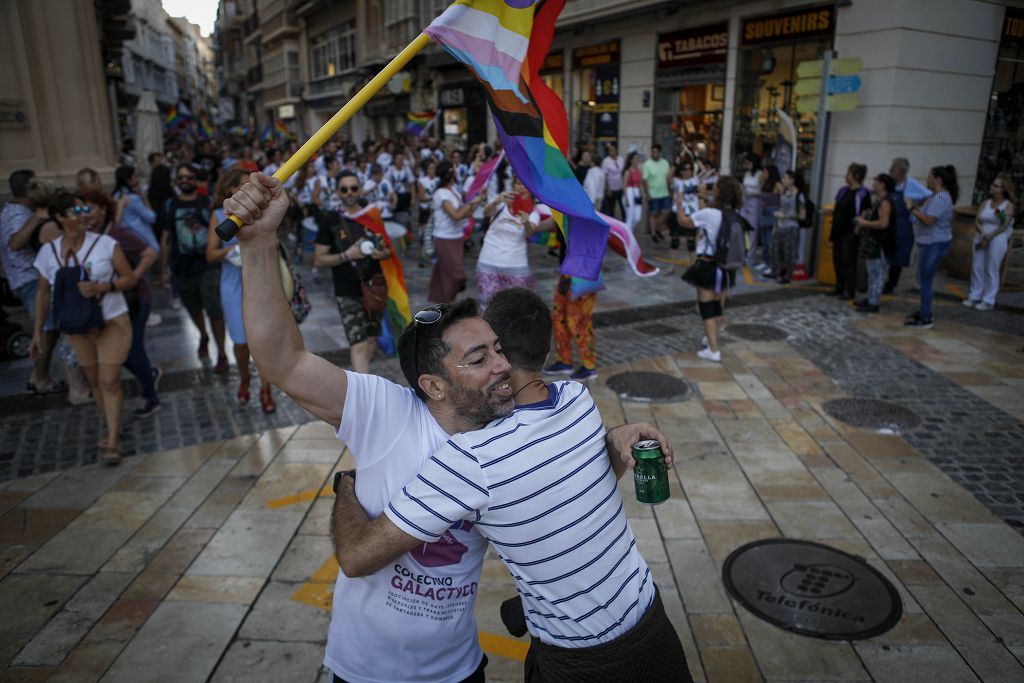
x: 154, y: 320
x: 982, y: 306
x: 969, y: 303
x: 708, y: 354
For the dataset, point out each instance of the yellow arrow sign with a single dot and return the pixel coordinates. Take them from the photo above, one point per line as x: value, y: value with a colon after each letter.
x: 844, y: 102
x: 809, y: 69
x: 850, y: 66
x: 808, y: 86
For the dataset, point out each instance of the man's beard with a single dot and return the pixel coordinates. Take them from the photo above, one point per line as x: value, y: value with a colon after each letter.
x: 350, y: 201
x: 480, y: 407
x: 186, y: 188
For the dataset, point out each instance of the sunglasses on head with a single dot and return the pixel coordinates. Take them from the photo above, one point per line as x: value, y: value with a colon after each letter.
x: 348, y: 189
x: 428, y: 316
x: 79, y: 210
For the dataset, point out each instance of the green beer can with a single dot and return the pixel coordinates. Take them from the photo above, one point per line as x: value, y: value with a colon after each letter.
x: 650, y: 474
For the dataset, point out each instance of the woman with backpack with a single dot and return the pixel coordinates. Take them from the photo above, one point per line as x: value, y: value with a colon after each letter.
x: 230, y: 260
x: 877, y: 237
x: 87, y: 273
x: 786, y: 235
x: 141, y: 257
x: 707, y: 274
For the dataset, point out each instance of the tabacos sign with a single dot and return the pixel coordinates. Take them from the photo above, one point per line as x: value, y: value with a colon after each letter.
x: 816, y: 22
x: 705, y: 45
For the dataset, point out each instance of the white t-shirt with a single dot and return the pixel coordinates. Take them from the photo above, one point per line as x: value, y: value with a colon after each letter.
x: 428, y: 186
x: 708, y: 222
x: 446, y: 227
x: 412, y: 620
x: 539, y: 485
x: 384, y: 160
x: 99, y: 267
x: 505, y: 244
x: 593, y: 185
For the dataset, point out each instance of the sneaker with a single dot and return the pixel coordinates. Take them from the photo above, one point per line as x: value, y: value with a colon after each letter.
x: 158, y: 374
x: 76, y: 399
x: 557, y: 368
x: 222, y: 365
x: 708, y: 354
x: 982, y: 306
x: 914, y: 316
x: 969, y: 303
x: 919, y: 324
x: 147, y: 409
x: 583, y: 374
x: 865, y: 307
x: 154, y: 320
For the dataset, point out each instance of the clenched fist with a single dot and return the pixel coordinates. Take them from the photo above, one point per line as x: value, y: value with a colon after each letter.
x: 260, y: 203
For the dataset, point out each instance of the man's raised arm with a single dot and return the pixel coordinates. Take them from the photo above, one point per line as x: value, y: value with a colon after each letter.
x: 273, y: 336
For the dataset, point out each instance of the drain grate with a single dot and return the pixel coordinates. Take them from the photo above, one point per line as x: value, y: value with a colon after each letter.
x: 871, y: 413
x: 812, y: 589
x: 755, y: 332
x: 649, y: 386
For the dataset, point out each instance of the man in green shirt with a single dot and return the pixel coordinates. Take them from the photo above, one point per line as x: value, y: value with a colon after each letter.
x: 655, y: 174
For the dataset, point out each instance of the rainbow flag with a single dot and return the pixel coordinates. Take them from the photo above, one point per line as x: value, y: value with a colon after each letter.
x: 419, y: 122
x: 503, y: 43
x: 281, y: 130
x: 398, y: 315
x: 173, y: 118
x: 206, y: 130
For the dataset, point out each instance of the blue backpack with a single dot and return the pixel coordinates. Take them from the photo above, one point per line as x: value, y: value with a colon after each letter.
x: 74, y: 313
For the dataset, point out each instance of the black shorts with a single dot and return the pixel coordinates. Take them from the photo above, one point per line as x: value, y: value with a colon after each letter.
x: 706, y: 275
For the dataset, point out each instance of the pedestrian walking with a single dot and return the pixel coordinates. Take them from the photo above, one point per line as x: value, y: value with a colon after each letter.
x: 993, y: 227
x: 934, y: 236
x: 633, y: 182
x: 706, y: 274
x: 133, y: 212
x: 503, y: 262
x: 851, y: 200
x: 141, y: 257
x: 86, y: 272
x: 228, y: 256
x: 877, y: 237
x: 656, y: 172
x: 572, y: 317
x: 613, y: 167
x: 771, y: 188
x: 450, y: 219
x: 185, y: 234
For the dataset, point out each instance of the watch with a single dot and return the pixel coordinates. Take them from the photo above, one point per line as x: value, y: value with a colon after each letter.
x: 339, y: 475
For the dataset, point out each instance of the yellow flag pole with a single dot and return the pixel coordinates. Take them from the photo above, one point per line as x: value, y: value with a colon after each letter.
x: 230, y: 226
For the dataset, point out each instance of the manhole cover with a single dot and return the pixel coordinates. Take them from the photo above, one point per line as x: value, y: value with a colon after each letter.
x: 811, y: 589
x: 649, y: 386
x: 872, y: 414
x: 753, y: 332
x: 656, y: 330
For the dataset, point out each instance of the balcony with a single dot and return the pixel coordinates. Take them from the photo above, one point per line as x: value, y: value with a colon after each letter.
x: 279, y: 25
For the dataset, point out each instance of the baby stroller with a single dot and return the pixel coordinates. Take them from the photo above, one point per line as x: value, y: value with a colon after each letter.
x: 14, y: 341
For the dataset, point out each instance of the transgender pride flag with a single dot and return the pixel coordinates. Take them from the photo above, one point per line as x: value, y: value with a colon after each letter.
x: 503, y: 43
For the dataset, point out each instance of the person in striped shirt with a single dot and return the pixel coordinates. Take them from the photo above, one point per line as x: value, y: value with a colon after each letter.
x: 540, y: 484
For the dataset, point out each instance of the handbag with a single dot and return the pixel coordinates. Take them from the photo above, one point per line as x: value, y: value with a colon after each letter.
x: 375, y: 294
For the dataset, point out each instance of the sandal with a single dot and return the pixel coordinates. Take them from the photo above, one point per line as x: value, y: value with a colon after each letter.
x: 110, y: 456
x: 51, y: 388
x: 243, y: 391
x: 267, y: 401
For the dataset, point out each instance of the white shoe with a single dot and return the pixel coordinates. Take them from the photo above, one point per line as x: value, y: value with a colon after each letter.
x: 708, y: 354
x: 704, y: 342
x: 969, y: 303
x: 154, y: 320
x: 982, y: 306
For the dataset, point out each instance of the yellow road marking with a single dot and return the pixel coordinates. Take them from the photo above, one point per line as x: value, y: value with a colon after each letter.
x: 747, y: 276
x: 958, y: 290
x: 301, y: 497
x: 503, y: 646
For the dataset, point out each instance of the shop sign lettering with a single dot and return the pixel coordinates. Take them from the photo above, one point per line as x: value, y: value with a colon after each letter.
x: 809, y: 23
x: 706, y: 45
x: 1013, y: 27
x: 453, y: 97
x: 605, y: 53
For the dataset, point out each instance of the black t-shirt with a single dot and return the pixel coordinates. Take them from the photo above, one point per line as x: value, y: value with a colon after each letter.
x: 189, y: 224
x: 338, y: 233
x: 886, y: 237
x: 843, y: 214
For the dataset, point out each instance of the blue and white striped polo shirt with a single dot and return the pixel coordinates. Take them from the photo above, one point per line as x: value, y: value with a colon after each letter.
x: 540, y: 486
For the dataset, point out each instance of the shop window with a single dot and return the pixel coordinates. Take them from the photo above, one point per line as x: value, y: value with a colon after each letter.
x: 1002, y: 147
x: 688, y: 112
x: 767, y: 76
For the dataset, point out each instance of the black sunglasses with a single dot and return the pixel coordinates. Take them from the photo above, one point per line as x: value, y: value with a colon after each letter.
x: 428, y: 316
x: 348, y: 189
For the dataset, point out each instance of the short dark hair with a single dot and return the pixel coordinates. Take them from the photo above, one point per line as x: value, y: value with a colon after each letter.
x: 858, y: 171
x: 729, y: 194
x: 19, y: 182
x: 64, y: 201
x: 522, y: 321
x: 153, y: 155
x: 888, y: 181
x: 655, y: 146
x: 423, y: 348
x: 346, y: 173
x: 187, y: 166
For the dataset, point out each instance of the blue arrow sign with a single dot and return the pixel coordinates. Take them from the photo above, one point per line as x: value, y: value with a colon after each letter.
x: 843, y: 84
